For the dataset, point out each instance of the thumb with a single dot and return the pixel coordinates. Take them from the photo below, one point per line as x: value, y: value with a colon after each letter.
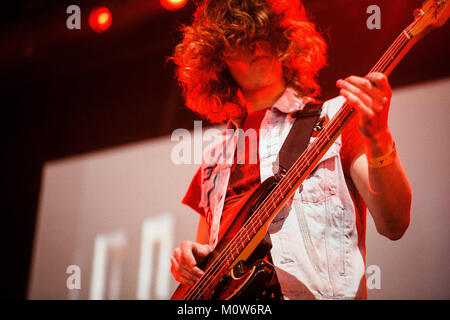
x: 201, y: 250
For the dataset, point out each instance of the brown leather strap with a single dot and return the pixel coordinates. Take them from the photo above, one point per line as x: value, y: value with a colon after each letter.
x: 298, y: 138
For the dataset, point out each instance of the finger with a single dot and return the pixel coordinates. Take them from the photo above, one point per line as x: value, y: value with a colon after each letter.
x: 184, y: 280
x: 355, y: 90
x: 201, y: 250
x: 366, y: 86
x: 177, y: 254
x: 178, y: 265
x: 174, y: 268
x: 179, y: 271
x: 197, y: 272
x: 381, y: 82
x: 187, y: 257
x: 354, y: 101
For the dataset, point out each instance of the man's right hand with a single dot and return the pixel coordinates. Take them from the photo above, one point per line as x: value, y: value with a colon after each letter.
x: 185, y: 259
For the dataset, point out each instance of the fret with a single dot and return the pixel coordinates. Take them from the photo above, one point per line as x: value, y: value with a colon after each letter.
x: 258, y: 220
x: 276, y: 193
x: 289, y: 183
x: 317, y: 150
x: 273, y: 202
x: 245, y: 238
x: 228, y: 258
x: 263, y: 213
x: 253, y: 229
x: 235, y: 251
x: 281, y: 194
x: 408, y: 34
x: 240, y: 245
x: 263, y: 216
x: 298, y: 172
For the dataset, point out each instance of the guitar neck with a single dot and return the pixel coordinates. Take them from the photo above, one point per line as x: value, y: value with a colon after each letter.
x: 395, y: 53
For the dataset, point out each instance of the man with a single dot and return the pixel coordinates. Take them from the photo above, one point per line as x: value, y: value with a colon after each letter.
x: 253, y: 63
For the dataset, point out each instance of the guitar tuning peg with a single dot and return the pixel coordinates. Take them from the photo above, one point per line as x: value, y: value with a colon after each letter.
x: 418, y: 13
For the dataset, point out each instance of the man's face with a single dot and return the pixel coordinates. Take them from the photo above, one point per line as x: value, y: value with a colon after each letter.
x: 254, y: 67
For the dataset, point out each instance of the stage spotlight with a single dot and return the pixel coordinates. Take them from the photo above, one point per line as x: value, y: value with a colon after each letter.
x: 100, y: 19
x: 173, y: 4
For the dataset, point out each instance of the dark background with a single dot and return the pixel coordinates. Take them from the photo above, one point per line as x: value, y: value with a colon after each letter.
x: 66, y: 92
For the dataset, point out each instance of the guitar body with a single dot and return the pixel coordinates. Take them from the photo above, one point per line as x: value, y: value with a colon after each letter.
x: 249, y: 275
x: 246, y: 283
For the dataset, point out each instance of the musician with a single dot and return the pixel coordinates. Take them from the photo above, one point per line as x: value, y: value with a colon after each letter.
x: 252, y: 64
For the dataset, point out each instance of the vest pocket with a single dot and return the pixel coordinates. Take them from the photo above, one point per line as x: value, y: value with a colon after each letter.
x: 342, y: 242
x: 322, y: 181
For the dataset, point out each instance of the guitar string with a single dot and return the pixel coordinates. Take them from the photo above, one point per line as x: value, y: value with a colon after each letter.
x: 399, y: 41
x: 402, y: 39
x: 388, y: 54
x: 418, y: 23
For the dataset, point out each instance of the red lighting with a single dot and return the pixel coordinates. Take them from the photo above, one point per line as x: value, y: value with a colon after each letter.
x: 173, y: 4
x: 100, y: 19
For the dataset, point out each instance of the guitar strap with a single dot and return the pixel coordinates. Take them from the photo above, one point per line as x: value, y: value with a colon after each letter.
x: 298, y: 138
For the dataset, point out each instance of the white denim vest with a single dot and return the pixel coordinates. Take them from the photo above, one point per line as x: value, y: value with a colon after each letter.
x: 318, y: 251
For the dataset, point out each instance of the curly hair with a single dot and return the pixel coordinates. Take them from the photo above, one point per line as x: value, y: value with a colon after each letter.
x: 208, y: 87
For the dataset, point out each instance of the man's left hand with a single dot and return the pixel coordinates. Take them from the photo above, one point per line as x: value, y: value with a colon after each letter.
x: 371, y: 97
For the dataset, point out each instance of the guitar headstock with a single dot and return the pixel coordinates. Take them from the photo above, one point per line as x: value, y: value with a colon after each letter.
x: 434, y: 13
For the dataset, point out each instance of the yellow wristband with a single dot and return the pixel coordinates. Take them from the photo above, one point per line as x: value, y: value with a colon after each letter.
x: 384, y: 160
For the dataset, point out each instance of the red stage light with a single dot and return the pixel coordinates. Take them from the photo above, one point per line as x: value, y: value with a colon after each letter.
x: 173, y: 4
x: 100, y: 19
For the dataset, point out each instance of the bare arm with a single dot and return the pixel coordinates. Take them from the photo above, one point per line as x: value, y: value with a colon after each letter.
x: 385, y: 190
x: 387, y: 194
